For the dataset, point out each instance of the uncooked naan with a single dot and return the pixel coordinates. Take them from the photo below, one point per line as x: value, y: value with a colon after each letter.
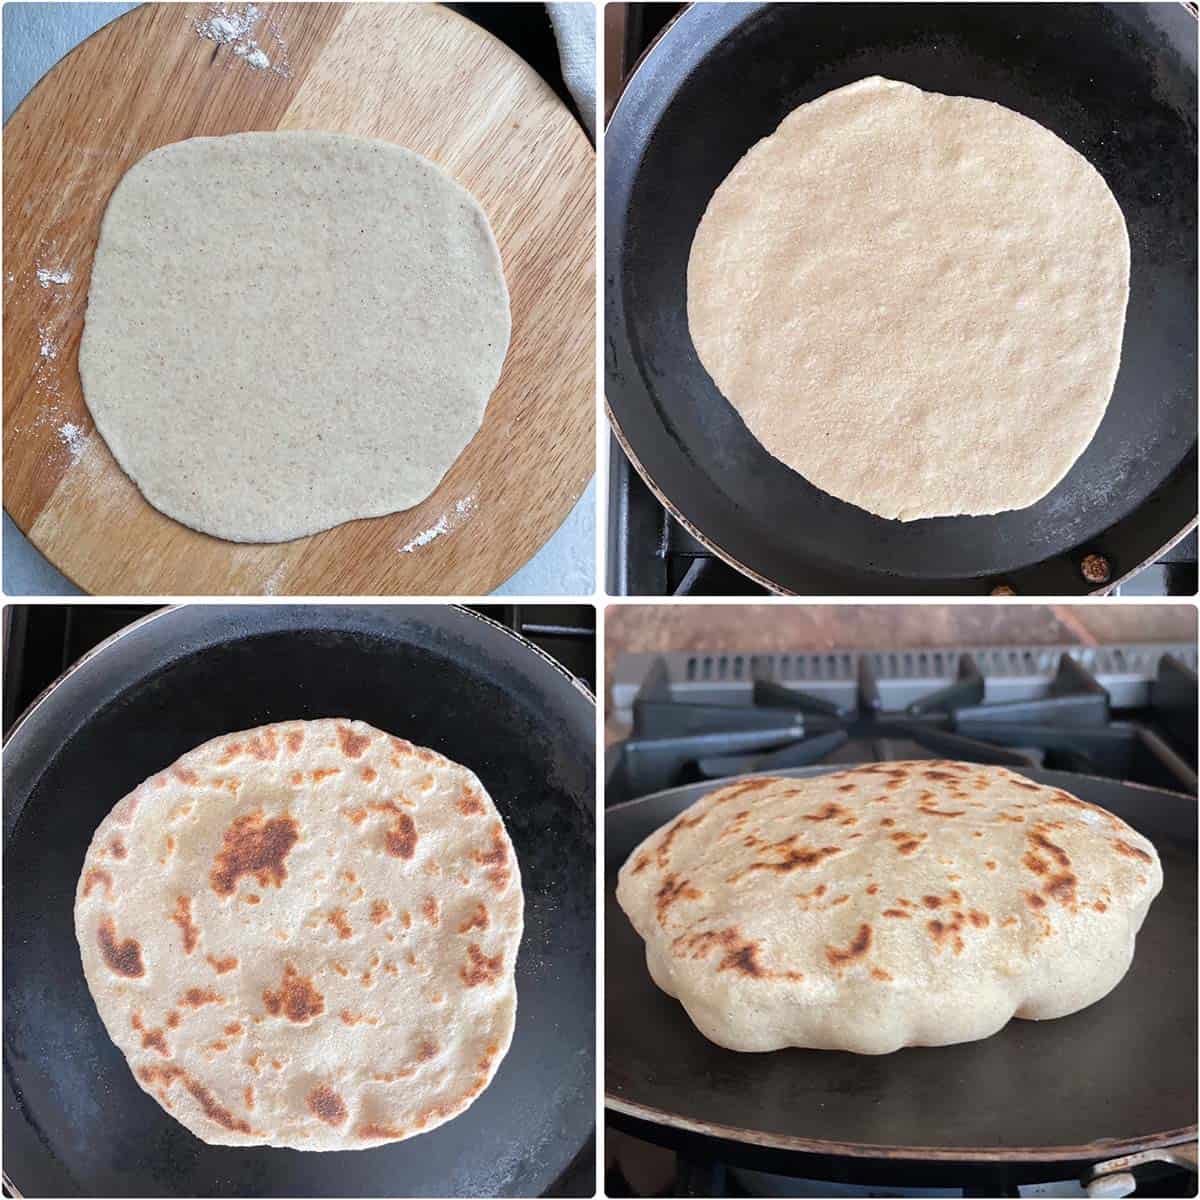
x: 286, y: 331
x: 897, y: 904
x: 305, y: 935
x: 916, y: 301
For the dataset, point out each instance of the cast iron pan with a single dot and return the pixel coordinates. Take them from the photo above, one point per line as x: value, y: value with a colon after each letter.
x: 1117, y: 1077
x: 1116, y: 81
x: 75, y: 1121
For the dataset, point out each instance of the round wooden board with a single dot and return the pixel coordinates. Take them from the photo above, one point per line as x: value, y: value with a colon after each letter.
x: 415, y: 74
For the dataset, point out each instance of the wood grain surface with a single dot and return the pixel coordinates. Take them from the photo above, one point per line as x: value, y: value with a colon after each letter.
x: 415, y: 74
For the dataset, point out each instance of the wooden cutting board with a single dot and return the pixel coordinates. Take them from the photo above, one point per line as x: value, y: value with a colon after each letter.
x: 418, y: 75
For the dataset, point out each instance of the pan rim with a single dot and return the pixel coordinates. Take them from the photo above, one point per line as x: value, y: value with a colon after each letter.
x: 868, y: 581
x: 988, y: 1154
x: 166, y: 609
x: 1093, y: 1151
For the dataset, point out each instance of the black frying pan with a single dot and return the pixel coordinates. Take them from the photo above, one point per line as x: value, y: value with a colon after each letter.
x: 1116, y: 81
x: 1117, y: 1077
x: 75, y: 1121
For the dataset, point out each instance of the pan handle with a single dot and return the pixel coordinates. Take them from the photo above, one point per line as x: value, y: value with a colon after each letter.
x: 1115, y: 1177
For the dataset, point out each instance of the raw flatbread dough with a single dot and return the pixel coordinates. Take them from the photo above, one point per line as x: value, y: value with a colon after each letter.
x: 914, y: 300
x: 305, y: 935
x: 286, y: 331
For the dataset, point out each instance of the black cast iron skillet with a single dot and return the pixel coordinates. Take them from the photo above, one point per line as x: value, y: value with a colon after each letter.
x: 1116, y: 81
x: 1117, y: 1077
x: 75, y: 1121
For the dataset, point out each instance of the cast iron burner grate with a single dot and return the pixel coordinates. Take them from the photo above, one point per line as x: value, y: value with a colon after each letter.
x: 750, y: 719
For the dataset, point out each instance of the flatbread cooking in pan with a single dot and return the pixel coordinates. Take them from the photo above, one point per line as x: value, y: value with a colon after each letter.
x: 897, y: 904
x: 305, y: 935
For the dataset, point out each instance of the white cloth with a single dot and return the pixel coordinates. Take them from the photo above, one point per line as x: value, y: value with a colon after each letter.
x: 575, y: 30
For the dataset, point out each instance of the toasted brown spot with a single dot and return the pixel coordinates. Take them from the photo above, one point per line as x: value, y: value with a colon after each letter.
x: 480, y: 968
x: 296, y: 998
x: 400, y: 841
x: 116, y: 846
x: 941, y: 812
x: 847, y: 787
x: 887, y: 822
x: 979, y: 919
x: 354, y: 745
x: 477, y: 920
x: 185, y: 775
x: 381, y: 910
x: 341, y: 923
x: 1041, y: 842
x: 326, y: 1105
x: 198, y: 997
x: 152, y: 1039
x: 469, y: 802
x: 173, y: 1019
x: 908, y: 843
x: 213, y: 1109
x: 880, y: 974
x: 1034, y: 900
x: 233, y: 1028
x: 1129, y: 851
x: 826, y: 813
x: 1061, y: 888
x: 896, y: 912
x: 672, y: 890
x: 495, y: 859
x: 1100, y: 906
x: 218, y: 1047
x: 429, y: 910
x: 295, y: 739
x: 374, y: 1130
x: 990, y: 864
x: 93, y: 877
x: 222, y: 966
x: 121, y: 957
x: 369, y: 774
x: 793, y: 860
x: 323, y: 773
x: 254, y: 846
x: 248, y: 1096
x: 1008, y: 922
x: 182, y: 917
x: 356, y: 816
x: 948, y: 931
x: 838, y: 957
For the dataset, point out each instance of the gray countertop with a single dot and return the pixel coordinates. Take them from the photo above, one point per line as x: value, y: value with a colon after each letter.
x: 36, y: 36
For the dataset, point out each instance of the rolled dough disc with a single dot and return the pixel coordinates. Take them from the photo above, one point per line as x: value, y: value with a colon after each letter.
x: 286, y: 331
x: 916, y: 301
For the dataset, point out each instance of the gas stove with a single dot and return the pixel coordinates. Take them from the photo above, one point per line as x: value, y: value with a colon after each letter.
x: 1122, y: 712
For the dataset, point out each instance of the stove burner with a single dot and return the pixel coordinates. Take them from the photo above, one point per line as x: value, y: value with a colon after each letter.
x: 1071, y: 728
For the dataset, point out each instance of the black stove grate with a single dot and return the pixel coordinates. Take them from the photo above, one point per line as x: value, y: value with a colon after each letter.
x: 1072, y: 727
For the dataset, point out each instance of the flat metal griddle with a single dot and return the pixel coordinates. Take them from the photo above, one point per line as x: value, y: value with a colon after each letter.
x: 75, y: 1121
x: 1117, y: 1077
x: 1116, y: 81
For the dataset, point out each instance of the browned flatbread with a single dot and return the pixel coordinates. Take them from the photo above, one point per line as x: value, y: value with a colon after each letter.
x: 305, y: 935
x: 898, y: 904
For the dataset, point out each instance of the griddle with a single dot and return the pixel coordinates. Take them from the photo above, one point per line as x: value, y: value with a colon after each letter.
x: 1049, y: 1097
x: 1116, y: 81
x: 75, y: 1121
